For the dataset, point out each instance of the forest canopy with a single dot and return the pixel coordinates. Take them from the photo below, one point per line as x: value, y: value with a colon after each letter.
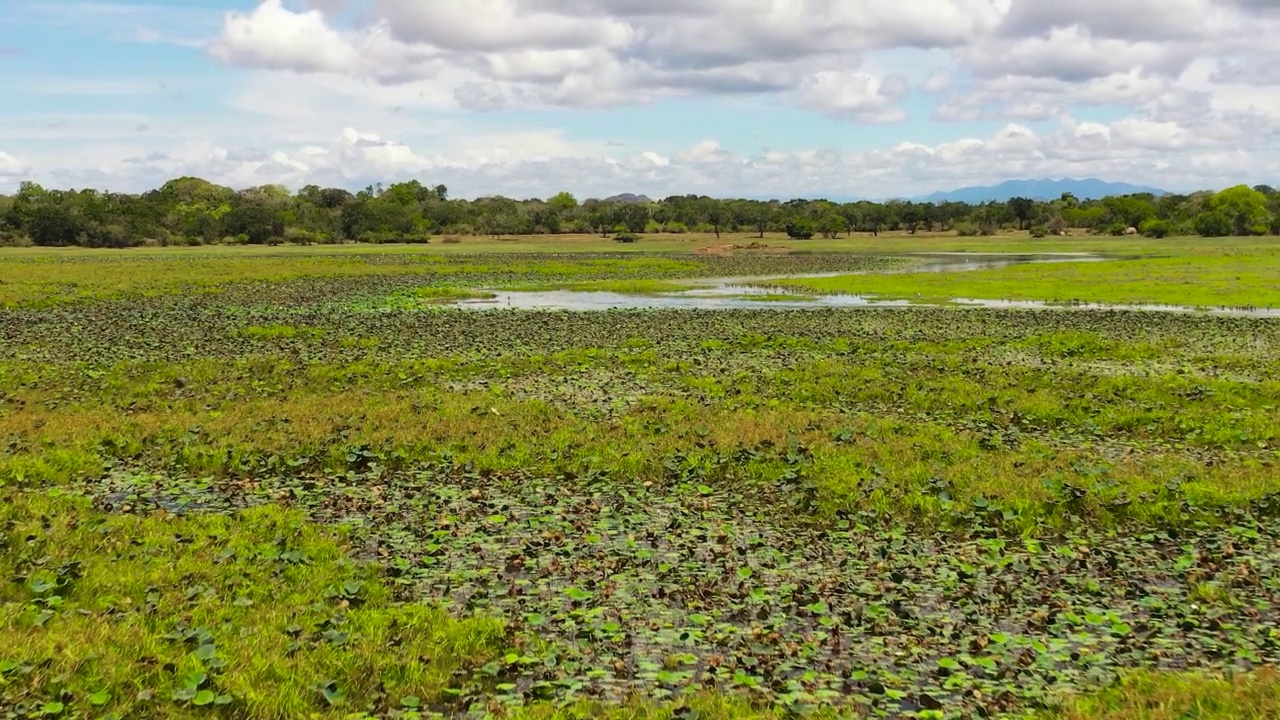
x: 192, y: 211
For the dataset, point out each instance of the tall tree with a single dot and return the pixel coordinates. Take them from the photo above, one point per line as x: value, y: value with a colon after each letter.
x: 1022, y: 208
x: 1245, y: 208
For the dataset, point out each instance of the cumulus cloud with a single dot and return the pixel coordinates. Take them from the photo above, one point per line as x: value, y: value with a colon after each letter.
x: 276, y: 38
x: 1186, y: 86
x: 11, y: 166
x: 1013, y: 59
x: 541, y: 163
x: 605, y: 52
x: 857, y: 96
x: 1075, y: 54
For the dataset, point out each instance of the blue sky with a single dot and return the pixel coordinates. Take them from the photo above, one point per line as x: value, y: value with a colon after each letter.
x: 867, y: 98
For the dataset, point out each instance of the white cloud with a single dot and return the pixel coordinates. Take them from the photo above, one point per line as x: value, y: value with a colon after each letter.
x: 1074, y: 53
x: 541, y: 163
x: 11, y: 166
x: 276, y: 38
x: 1187, y: 87
x: 497, y: 25
x: 857, y: 96
x: 508, y: 53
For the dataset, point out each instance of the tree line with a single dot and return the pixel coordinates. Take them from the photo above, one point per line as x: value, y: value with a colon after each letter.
x: 192, y: 211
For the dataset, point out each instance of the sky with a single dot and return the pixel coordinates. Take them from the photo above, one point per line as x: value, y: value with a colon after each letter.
x: 751, y: 98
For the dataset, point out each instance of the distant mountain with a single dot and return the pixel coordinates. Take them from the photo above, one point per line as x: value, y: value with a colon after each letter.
x: 628, y: 198
x: 1086, y: 189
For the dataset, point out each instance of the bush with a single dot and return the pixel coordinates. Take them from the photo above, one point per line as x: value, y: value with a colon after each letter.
x: 13, y: 238
x: 800, y: 229
x: 1213, y: 224
x: 967, y: 229
x: 302, y: 236
x: 1039, y: 231
x: 1057, y: 225
x: 1116, y: 228
x: 1156, y: 228
x: 626, y: 237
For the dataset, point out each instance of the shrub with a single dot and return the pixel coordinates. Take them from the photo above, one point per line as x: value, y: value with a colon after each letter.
x: 302, y: 236
x: 800, y: 229
x: 967, y: 229
x: 1213, y: 224
x: 1039, y: 231
x: 1155, y: 228
x: 626, y: 237
x: 13, y: 238
x: 1057, y: 225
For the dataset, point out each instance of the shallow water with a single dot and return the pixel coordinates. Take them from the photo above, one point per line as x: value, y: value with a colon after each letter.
x: 728, y: 293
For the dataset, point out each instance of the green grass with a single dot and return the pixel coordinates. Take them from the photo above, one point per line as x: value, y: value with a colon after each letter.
x: 1181, y: 696
x: 1230, y: 279
x: 772, y: 297
x: 631, y: 514
x: 990, y: 401
x: 637, y: 286
x: 258, y: 615
x: 448, y: 294
x: 1226, y: 271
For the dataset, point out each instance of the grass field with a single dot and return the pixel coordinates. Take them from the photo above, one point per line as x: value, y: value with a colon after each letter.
x: 291, y: 482
x: 1222, y: 272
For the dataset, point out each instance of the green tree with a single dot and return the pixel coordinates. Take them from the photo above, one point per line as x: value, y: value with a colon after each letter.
x: 562, y: 202
x: 257, y: 219
x: 1214, y: 223
x: 753, y: 214
x: 1245, y: 208
x: 712, y: 212
x: 831, y: 225
x: 800, y: 228
x: 1130, y: 210
x: 633, y: 217
x: 499, y: 216
x: 53, y: 224
x: 1023, y: 209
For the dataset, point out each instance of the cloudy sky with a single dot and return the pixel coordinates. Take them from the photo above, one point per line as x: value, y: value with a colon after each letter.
x: 767, y: 98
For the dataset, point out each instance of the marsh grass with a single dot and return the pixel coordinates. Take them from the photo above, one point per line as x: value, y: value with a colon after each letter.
x: 879, y: 427
x: 1182, y: 696
x: 257, y: 615
x: 221, y: 374
x: 638, y: 286
x: 1245, y: 279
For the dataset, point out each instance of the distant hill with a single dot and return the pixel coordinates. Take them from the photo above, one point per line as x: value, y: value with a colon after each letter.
x: 1086, y: 189
x: 628, y: 198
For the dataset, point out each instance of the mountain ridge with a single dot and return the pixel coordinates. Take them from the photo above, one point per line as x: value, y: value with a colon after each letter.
x: 1039, y: 189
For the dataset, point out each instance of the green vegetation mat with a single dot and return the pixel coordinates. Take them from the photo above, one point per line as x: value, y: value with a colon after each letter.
x: 313, y: 493
x: 1237, y: 279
